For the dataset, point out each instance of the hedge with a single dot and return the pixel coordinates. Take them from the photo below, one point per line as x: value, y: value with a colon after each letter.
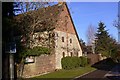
x: 73, y: 62
x: 84, y: 61
x: 70, y: 62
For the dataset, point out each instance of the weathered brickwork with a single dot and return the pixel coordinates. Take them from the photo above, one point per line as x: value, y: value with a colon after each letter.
x: 65, y: 22
x: 67, y: 30
x: 69, y: 49
x: 93, y: 58
x: 66, y: 43
x: 42, y: 64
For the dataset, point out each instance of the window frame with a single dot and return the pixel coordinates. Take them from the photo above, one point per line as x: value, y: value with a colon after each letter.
x: 63, y: 53
x: 63, y: 40
x: 70, y: 40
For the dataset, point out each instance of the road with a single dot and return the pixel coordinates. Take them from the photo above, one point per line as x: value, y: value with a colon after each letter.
x: 113, y: 74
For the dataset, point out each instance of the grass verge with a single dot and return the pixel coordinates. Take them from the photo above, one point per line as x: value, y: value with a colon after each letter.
x: 67, y: 73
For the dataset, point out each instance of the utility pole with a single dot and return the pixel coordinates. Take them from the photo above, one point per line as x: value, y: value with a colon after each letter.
x: 11, y: 49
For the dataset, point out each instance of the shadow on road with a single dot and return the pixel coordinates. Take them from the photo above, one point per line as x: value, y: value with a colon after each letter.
x: 113, y: 77
x: 106, y: 64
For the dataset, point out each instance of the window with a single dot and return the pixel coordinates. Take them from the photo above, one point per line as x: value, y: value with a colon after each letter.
x: 71, y: 54
x: 77, y: 54
x: 62, y: 39
x: 70, y: 40
x: 63, y: 54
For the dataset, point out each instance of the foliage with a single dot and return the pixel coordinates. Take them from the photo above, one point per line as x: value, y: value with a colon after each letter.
x: 21, y: 28
x: 84, y: 61
x: 73, y: 62
x: 116, y: 52
x: 70, y: 62
x: 104, y: 44
x: 36, y: 51
x: 83, y: 46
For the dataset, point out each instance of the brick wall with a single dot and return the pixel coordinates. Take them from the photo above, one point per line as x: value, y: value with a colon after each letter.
x: 65, y: 29
x: 43, y: 64
x: 93, y: 58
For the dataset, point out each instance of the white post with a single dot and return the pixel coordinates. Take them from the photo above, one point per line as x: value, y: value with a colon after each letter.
x: 11, y: 66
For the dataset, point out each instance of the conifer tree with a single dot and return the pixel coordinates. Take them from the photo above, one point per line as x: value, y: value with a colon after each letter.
x: 102, y: 43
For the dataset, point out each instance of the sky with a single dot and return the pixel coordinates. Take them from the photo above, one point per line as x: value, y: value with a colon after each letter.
x: 91, y: 13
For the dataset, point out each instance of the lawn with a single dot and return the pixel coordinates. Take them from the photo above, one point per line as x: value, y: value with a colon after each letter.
x: 67, y: 73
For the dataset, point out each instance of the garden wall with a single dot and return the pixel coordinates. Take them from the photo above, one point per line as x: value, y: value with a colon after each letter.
x: 93, y: 58
x: 43, y: 64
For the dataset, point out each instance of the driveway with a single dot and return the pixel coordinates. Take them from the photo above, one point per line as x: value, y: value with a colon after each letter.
x: 113, y: 74
x: 95, y: 75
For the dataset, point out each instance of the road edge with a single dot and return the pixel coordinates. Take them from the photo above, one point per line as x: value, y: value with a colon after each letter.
x: 84, y: 74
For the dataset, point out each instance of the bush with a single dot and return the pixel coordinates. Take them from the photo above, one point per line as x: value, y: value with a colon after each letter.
x: 70, y: 62
x: 84, y: 61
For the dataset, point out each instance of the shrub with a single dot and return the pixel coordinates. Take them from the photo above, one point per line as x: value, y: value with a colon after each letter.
x: 88, y: 60
x: 70, y: 62
x: 84, y: 61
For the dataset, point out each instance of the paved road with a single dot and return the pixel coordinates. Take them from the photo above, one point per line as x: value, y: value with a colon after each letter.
x: 113, y: 74
x: 95, y: 75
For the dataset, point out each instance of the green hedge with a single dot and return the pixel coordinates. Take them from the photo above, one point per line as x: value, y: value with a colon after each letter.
x: 70, y: 62
x: 73, y: 62
x: 84, y: 61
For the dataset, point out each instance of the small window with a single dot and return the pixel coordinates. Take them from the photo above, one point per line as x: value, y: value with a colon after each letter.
x: 57, y: 34
x: 70, y: 40
x: 62, y: 39
x: 77, y: 54
x: 63, y: 54
x: 71, y: 54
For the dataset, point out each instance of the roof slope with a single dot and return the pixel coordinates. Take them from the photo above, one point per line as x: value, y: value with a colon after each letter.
x: 40, y: 18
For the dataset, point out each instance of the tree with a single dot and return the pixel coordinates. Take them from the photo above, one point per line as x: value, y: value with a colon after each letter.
x: 22, y: 7
x: 91, y: 34
x: 13, y: 30
x: 86, y: 49
x: 91, y: 37
x: 83, y: 46
x: 29, y: 23
x: 104, y: 44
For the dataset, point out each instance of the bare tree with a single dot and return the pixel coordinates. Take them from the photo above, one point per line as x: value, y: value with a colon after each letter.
x: 91, y: 36
x: 116, y: 23
x: 22, y: 7
x: 30, y: 22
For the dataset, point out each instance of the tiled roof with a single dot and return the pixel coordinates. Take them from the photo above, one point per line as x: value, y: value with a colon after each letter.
x: 47, y: 16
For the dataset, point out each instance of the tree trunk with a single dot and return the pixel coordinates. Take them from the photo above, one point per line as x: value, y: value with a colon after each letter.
x: 20, y: 69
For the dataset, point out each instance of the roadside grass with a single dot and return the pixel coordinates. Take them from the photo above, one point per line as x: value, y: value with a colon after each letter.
x: 67, y: 73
